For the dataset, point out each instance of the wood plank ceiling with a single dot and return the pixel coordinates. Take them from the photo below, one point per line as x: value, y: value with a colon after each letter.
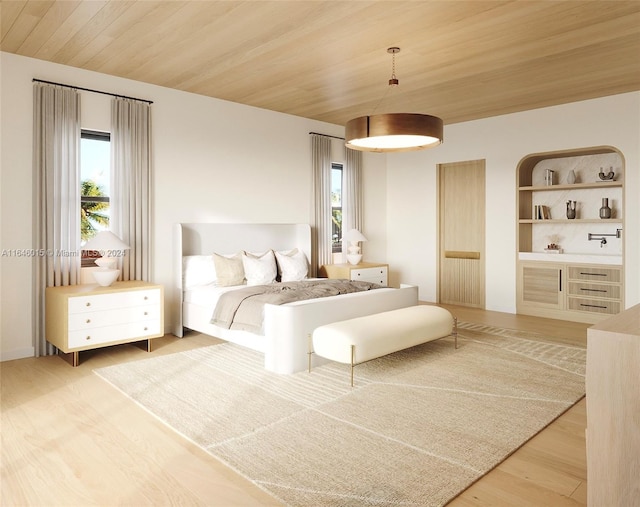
x: 327, y: 60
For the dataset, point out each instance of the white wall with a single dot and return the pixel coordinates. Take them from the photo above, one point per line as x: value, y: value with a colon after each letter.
x: 212, y: 161
x: 503, y: 141
x: 218, y: 161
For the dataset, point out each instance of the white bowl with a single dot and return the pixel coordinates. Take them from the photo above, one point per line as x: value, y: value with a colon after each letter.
x: 106, y: 277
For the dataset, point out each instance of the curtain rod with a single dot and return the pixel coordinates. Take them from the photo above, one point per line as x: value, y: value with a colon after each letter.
x: 325, y: 135
x: 90, y: 90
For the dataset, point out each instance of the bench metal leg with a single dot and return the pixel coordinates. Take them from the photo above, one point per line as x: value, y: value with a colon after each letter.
x: 353, y: 361
x: 455, y: 331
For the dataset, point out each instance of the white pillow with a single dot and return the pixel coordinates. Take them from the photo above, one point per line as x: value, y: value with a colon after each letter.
x: 229, y: 269
x: 292, y: 265
x: 197, y: 270
x: 259, y: 269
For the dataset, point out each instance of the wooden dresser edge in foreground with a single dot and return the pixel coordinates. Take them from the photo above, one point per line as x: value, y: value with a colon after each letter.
x: 613, y: 408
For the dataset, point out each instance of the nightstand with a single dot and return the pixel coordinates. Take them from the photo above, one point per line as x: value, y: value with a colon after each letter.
x: 364, y: 271
x: 85, y: 317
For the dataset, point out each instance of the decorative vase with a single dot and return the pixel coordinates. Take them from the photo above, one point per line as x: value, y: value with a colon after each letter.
x: 606, y: 176
x: 105, y: 277
x: 605, y: 210
x: 571, y: 177
x: 571, y: 209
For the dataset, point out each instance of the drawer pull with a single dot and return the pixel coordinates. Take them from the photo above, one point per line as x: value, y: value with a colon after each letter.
x: 593, y: 274
x: 145, y: 298
x: 146, y: 313
x: 594, y: 306
x: 88, y: 338
x: 594, y: 290
x: 88, y: 304
x: 145, y: 328
x: 88, y: 321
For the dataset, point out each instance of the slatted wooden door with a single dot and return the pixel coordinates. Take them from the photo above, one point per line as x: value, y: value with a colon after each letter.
x: 461, y: 233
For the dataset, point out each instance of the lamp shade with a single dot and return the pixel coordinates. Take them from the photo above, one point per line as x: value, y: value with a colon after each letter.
x: 106, y: 243
x: 394, y: 132
x: 354, y: 235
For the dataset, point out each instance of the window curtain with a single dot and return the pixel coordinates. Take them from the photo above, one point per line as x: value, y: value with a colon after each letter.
x: 352, y: 214
x: 321, y: 220
x: 56, y: 166
x: 130, y: 184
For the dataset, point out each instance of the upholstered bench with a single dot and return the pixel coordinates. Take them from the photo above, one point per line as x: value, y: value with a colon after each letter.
x: 362, y: 339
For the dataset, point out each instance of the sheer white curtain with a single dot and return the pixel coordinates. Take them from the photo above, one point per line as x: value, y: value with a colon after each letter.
x: 321, y: 210
x: 130, y: 184
x: 56, y: 195
x: 352, y: 207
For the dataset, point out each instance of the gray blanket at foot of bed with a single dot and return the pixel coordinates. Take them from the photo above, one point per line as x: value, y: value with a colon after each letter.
x: 242, y: 309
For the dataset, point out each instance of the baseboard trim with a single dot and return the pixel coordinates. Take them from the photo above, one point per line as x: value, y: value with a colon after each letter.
x: 10, y: 355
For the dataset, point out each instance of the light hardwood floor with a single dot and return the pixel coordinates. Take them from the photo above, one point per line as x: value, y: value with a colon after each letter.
x: 68, y: 438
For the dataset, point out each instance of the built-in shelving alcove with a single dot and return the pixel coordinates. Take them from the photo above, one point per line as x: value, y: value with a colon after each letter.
x: 556, y: 253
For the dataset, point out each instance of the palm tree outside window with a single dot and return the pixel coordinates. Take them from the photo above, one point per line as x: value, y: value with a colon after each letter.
x: 95, y: 154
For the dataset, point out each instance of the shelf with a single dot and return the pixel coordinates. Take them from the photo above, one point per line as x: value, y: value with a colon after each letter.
x: 572, y: 220
x: 575, y: 186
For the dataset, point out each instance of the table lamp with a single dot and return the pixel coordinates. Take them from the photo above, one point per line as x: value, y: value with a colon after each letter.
x: 354, y: 236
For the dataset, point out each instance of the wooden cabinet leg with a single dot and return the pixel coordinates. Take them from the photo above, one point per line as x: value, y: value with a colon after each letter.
x: 73, y: 358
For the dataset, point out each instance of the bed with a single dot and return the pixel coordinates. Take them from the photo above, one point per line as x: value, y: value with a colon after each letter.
x: 286, y: 327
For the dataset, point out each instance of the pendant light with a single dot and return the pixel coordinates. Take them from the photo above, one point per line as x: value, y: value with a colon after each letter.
x: 393, y: 131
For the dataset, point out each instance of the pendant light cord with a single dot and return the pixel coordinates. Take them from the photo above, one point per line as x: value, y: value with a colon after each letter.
x: 393, y: 82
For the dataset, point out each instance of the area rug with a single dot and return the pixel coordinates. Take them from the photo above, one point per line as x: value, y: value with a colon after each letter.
x: 418, y: 427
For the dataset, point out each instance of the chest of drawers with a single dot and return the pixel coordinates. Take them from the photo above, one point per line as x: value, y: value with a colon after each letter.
x: 84, y: 317
x: 594, y: 289
x: 364, y: 272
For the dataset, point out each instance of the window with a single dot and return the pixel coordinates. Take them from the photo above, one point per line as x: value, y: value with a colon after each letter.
x: 95, y: 163
x: 336, y: 207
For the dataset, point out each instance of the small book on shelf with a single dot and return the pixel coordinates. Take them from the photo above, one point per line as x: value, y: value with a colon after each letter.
x: 541, y: 212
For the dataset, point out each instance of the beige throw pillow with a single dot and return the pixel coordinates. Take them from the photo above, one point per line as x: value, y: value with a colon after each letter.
x: 229, y: 269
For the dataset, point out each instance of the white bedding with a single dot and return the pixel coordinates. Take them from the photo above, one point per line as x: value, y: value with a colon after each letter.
x: 206, y: 295
x: 287, y: 327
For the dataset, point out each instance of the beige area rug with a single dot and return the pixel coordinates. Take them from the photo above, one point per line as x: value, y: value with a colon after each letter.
x: 418, y: 427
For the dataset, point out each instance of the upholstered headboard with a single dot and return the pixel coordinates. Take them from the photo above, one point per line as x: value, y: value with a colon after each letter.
x: 207, y: 238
